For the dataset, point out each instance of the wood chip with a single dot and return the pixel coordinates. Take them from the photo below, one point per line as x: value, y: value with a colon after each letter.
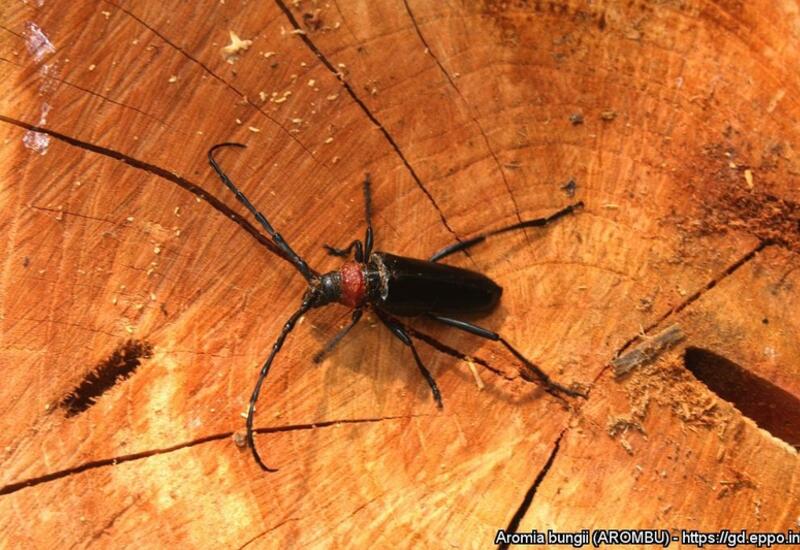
x: 748, y: 177
x: 473, y: 369
x: 237, y: 45
x: 648, y: 351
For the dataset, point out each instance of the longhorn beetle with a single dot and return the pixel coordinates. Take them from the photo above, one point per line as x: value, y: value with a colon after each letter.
x: 392, y: 286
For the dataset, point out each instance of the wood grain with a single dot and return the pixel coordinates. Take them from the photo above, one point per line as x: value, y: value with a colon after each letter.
x: 676, y: 120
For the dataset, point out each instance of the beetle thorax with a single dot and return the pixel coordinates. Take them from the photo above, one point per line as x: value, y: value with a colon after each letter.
x: 353, y: 284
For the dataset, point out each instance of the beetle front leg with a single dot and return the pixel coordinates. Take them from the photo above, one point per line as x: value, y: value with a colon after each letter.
x: 345, y: 252
x: 368, y: 215
x: 401, y: 334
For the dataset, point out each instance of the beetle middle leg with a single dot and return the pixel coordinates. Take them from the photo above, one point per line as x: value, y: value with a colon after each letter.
x: 401, y: 334
x: 552, y: 387
x: 332, y: 343
x: 537, y: 222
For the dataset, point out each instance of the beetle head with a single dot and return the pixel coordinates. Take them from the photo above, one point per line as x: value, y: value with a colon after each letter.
x: 324, y: 289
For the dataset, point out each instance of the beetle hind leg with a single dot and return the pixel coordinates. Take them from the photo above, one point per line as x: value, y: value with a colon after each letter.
x: 552, y: 387
x: 402, y: 335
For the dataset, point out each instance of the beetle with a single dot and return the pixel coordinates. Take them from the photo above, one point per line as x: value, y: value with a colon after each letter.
x: 392, y: 286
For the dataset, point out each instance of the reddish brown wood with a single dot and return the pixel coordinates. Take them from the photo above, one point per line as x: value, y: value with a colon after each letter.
x: 677, y: 120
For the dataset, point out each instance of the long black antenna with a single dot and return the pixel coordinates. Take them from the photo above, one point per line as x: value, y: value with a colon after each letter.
x: 276, y: 347
x: 291, y: 255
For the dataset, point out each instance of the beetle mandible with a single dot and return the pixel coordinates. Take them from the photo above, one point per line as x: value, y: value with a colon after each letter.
x: 392, y: 286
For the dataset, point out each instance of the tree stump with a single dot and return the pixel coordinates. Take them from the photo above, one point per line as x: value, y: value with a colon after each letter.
x: 139, y: 299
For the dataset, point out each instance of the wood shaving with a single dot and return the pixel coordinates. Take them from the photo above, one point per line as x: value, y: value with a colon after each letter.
x: 748, y: 177
x: 231, y: 51
x: 475, y: 374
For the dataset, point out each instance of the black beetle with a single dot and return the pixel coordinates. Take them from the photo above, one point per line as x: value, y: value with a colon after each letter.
x: 392, y: 286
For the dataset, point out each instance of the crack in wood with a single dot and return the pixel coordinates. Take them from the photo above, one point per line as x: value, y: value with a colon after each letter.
x: 268, y: 531
x: 96, y: 94
x: 727, y: 272
x: 525, y: 505
x: 155, y: 170
x: 216, y: 77
x: 76, y: 214
x: 110, y: 523
x: 351, y: 92
x: 473, y: 117
x: 91, y: 465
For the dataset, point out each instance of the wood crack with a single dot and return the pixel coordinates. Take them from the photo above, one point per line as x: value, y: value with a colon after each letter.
x: 216, y: 77
x: 268, y: 531
x: 70, y: 213
x: 110, y: 523
x: 486, y: 141
x: 91, y: 465
x: 727, y: 272
x: 351, y: 92
x: 163, y: 173
x: 525, y: 505
x: 99, y: 95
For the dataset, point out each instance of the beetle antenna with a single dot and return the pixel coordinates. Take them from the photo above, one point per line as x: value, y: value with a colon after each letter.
x: 276, y: 347
x: 291, y: 255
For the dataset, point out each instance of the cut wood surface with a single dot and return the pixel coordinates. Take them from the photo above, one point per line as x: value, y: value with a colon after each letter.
x: 124, y: 254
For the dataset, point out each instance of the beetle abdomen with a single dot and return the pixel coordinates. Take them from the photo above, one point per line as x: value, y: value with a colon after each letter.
x: 408, y: 286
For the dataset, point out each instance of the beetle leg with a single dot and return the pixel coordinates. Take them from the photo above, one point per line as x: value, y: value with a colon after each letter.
x: 338, y: 336
x: 345, y: 252
x: 401, y: 334
x: 553, y: 388
x: 469, y: 243
x: 368, y: 215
